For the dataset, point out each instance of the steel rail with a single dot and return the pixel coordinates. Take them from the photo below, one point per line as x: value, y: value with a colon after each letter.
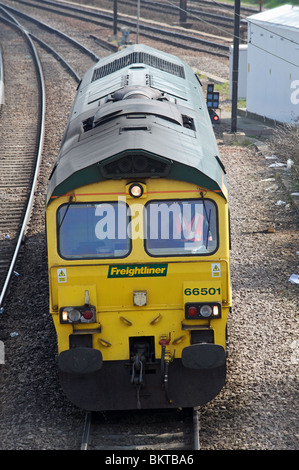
x: 41, y: 132
x: 226, y: 5
x: 86, y: 431
x: 1, y: 80
x: 53, y: 30
x: 57, y: 56
x: 156, y: 6
x: 48, y: 48
x: 196, y: 429
x: 144, y: 28
x: 155, y: 29
x: 91, y: 430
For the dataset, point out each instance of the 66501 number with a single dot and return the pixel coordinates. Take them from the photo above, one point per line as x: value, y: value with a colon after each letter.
x: 202, y: 291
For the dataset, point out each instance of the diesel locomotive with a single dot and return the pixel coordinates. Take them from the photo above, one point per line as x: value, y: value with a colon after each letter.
x: 137, y: 226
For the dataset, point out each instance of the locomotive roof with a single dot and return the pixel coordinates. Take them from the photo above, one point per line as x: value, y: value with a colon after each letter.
x: 139, y: 101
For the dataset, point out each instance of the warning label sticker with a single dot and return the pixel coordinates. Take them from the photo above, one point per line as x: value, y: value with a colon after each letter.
x: 61, y: 274
x: 216, y: 270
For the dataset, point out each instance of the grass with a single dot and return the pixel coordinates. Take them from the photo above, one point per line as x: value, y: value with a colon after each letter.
x: 266, y: 3
x: 273, y: 3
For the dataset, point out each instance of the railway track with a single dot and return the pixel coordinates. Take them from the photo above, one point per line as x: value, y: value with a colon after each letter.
x: 192, y: 14
x: 251, y: 402
x: 155, y: 430
x: 200, y: 42
x: 55, y: 40
x: 229, y: 6
x: 22, y: 122
x: 22, y: 134
x: 178, y: 433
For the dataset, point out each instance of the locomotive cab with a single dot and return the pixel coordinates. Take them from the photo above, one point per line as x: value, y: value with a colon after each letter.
x: 138, y: 240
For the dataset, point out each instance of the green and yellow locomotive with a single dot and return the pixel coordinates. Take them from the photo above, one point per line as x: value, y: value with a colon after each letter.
x: 138, y: 239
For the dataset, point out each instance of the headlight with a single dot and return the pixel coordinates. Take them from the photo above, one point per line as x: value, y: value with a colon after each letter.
x: 195, y: 311
x: 84, y: 314
x: 136, y: 190
x: 74, y: 315
x: 206, y: 311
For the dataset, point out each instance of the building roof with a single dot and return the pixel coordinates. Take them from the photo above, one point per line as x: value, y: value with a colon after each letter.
x: 286, y: 16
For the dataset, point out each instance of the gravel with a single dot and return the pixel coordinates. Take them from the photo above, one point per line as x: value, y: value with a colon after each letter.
x: 257, y: 408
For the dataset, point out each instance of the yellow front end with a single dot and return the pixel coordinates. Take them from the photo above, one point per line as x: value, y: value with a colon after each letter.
x: 142, y: 305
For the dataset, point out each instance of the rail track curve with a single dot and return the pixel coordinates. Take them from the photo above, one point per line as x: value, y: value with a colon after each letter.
x: 174, y: 35
x: 12, y: 163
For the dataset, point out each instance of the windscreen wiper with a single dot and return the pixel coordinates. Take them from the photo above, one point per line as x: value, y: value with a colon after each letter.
x: 208, y: 217
x: 68, y: 206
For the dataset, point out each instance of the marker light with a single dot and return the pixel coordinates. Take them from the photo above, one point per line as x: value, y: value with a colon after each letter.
x: 88, y: 314
x: 215, y: 310
x: 192, y: 311
x: 64, y: 316
x: 198, y: 311
x: 136, y: 190
x: 83, y: 314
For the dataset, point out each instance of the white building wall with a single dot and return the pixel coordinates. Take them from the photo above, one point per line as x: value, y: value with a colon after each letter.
x: 273, y: 72
x: 242, y: 71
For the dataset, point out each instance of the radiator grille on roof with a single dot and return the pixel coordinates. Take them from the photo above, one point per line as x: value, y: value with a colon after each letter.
x: 138, y: 58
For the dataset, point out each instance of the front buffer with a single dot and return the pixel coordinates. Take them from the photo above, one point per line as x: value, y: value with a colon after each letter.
x: 93, y: 384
